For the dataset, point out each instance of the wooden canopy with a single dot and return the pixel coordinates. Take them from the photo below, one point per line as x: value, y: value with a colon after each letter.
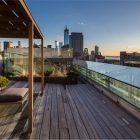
x: 16, y: 21
x: 15, y: 17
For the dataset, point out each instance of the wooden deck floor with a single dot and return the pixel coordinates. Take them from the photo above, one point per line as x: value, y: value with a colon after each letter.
x: 70, y: 112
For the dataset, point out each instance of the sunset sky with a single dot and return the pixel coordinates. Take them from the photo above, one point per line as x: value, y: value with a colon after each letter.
x: 113, y: 25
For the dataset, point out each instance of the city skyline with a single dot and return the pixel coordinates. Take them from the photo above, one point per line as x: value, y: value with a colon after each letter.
x: 112, y: 25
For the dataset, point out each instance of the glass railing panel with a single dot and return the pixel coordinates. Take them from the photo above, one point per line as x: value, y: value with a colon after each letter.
x: 121, y: 73
x: 127, y: 92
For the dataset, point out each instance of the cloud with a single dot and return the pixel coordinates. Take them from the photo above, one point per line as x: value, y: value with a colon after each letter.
x: 81, y: 23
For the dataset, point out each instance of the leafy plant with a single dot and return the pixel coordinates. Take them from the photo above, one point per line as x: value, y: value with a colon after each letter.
x: 3, y: 82
x: 48, y: 73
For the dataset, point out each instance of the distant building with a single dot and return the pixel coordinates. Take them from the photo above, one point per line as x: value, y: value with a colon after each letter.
x: 112, y: 60
x: 49, y: 46
x: 8, y: 45
x: 130, y: 59
x: 66, y: 36
x: 60, y: 48
x: 86, y: 51
x: 92, y: 52
x: 77, y: 44
x: 92, y: 56
x: 70, y: 41
x: 56, y: 44
x: 96, y: 50
x: 60, y: 44
x: 35, y: 46
x: 19, y: 45
x: 86, y: 54
x: 98, y: 56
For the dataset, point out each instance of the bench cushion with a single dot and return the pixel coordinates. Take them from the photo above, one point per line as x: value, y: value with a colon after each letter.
x: 13, y: 94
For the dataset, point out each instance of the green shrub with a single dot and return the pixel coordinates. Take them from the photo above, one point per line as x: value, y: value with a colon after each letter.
x: 48, y: 73
x: 72, y: 73
x: 3, y: 81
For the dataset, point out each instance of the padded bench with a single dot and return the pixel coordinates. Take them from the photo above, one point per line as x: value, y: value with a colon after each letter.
x: 13, y: 96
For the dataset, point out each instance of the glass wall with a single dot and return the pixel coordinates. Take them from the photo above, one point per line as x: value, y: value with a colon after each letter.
x: 127, y: 92
x: 16, y: 62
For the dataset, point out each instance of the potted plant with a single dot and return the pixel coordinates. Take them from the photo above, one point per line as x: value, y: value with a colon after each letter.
x: 3, y: 82
x: 72, y: 77
x: 48, y: 73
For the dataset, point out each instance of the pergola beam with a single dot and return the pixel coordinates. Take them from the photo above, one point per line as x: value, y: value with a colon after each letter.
x: 12, y: 19
x: 28, y: 14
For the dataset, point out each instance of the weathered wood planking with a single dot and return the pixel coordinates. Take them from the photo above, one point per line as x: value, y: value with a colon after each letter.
x: 95, y: 108
x: 54, y: 130
x: 75, y: 112
x: 127, y: 130
x: 63, y: 127
x: 46, y: 119
x: 92, y: 123
x: 83, y: 134
x: 14, y: 125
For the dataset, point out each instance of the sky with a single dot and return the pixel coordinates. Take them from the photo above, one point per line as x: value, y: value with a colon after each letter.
x: 113, y: 25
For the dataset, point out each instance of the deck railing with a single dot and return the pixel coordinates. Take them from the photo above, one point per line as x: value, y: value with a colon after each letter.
x: 126, y: 91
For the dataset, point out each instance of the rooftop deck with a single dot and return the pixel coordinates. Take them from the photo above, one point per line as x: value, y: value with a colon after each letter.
x: 69, y: 112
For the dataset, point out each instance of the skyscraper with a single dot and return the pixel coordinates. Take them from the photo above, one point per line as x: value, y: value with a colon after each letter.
x: 76, y: 42
x: 66, y: 36
x: 96, y: 50
x: 70, y: 41
x: 56, y: 44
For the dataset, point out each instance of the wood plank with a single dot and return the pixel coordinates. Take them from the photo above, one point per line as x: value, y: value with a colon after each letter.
x: 107, y: 111
x: 96, y: 105
x: 46, y: 122
x: 19, y: 131
x: 10, y: 124
x: 78, y: 120
x: 54, y: 131
x: 63, y: 127
x: 87, y: 116
x: 73, y: 133
x: 112, y: 109
x: 38, y: 118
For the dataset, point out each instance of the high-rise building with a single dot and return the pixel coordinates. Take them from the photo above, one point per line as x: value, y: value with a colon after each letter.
x: 19, y: 45
x: 76, y: 43
x: 56, y: 43
x: 86, y: 54
x: 92, y: 56
x: 86, y: 51
x: 96, y: 50
x: 70, y: 41
x: 92, y: 52
x: 60, y: 47
x: 60, y: 44
x: 66, y: 36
